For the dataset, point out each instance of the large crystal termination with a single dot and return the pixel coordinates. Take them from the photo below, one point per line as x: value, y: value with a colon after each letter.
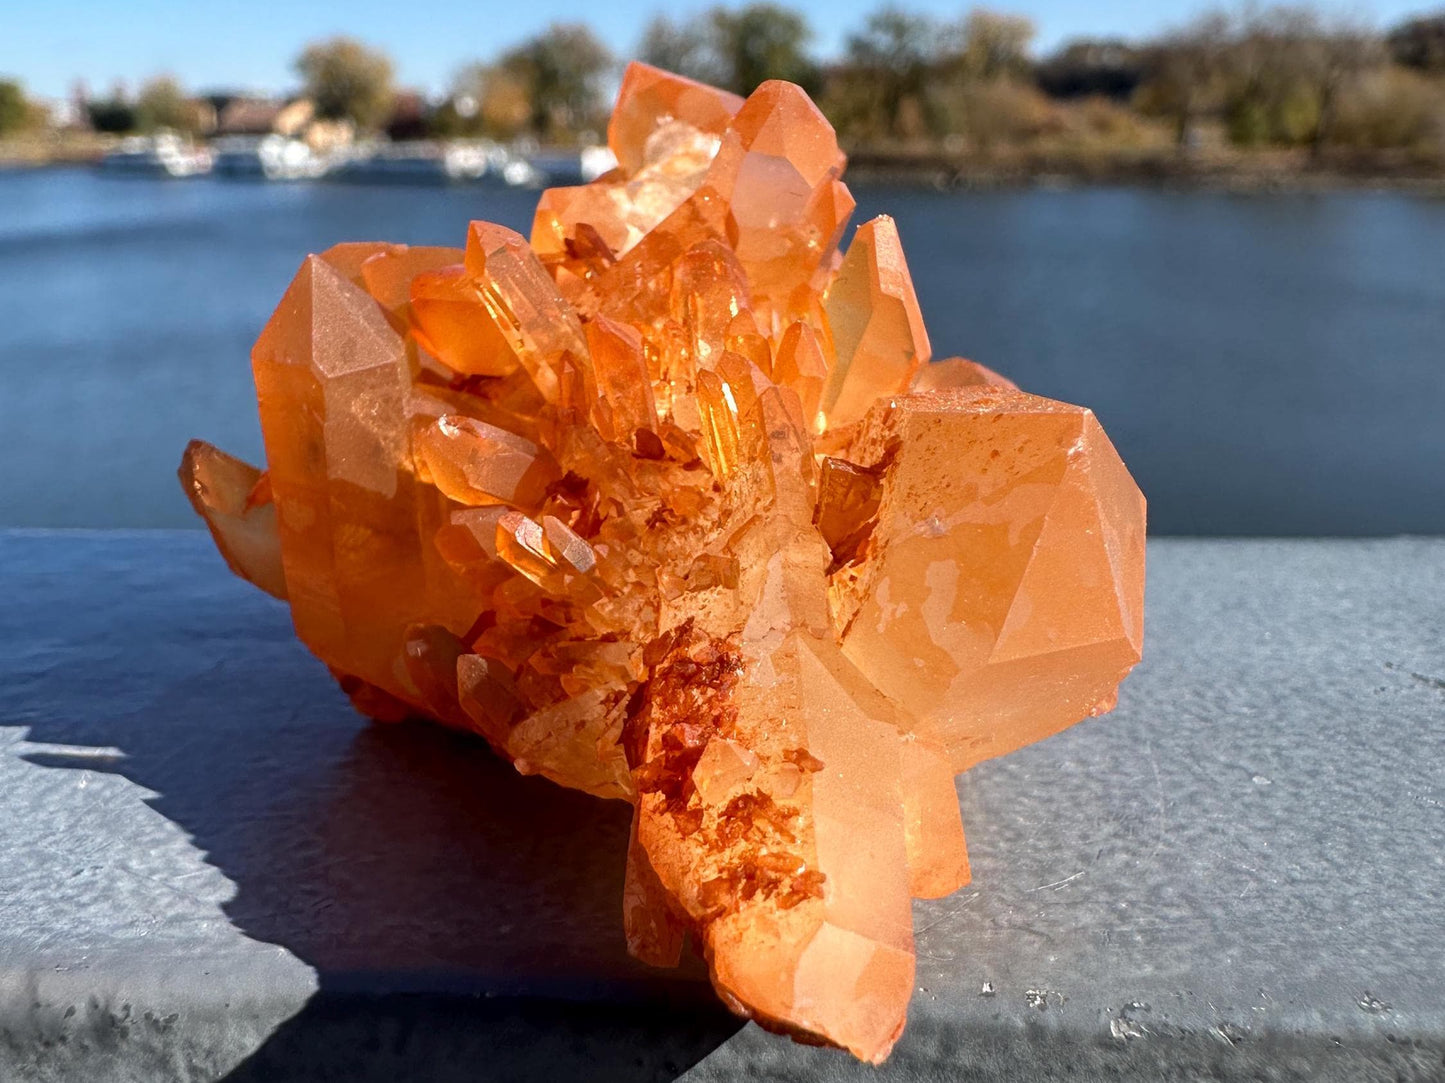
x: 670, y: 506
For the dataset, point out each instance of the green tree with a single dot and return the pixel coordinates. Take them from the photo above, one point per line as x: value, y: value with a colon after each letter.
x: 162, y: 103
x: 735, y: 49
x: 14, y: 108
x: 761, y: 42
x: 561, y: 72
x: 686, y: 48
x: 893, y: 57
x: 347, y: 80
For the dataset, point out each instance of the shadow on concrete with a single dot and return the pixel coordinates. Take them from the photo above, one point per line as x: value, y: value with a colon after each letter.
x: 446, y: 1039
x: 463, y: 921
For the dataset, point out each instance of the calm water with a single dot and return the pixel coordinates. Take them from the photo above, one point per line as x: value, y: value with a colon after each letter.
x: 1265, y: 364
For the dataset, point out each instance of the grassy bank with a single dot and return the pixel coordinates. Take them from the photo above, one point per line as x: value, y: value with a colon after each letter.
x: 1254, y: 171
x: 1146, y: 162
x: 47, y: 148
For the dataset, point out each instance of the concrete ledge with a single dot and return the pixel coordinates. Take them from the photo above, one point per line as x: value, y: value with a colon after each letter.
x: 210, y: 868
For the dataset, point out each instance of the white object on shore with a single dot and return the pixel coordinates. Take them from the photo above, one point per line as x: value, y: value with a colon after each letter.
x: 596, y: 161
x: 268, y: 157
x: 164, y: 154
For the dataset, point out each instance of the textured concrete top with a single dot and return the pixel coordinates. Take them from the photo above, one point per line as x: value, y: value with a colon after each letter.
x: 209, y: 867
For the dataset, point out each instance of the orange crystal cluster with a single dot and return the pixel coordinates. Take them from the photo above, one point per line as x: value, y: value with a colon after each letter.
x: 670, y: 506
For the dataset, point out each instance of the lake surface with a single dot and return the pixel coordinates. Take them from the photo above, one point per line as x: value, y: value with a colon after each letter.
x: 1266, y: 364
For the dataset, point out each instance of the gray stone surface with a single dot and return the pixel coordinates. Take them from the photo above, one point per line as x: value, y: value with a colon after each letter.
x: 209, y: 867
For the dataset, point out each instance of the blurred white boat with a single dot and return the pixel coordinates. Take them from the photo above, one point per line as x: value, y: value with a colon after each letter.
x: 268, y: 157
x: 464, y: 161
x: 518, y: 172
x: 165, y: 154
x: 595, y: 161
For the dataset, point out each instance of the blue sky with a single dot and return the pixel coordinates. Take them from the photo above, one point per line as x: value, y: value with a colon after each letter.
x: 208, y: 44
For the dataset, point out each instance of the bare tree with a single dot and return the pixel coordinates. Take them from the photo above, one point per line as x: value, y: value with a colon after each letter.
x: 1185, y: 71
x: 1337, y: 56
x: 1288, y: 68
x: 995, y: 44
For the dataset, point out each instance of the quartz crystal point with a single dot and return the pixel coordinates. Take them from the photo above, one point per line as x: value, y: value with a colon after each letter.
x: 669, y: 505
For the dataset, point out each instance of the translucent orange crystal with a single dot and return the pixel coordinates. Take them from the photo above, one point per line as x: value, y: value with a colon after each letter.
x: 669, y: 506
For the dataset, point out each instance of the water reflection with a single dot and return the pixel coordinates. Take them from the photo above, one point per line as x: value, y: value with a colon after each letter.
x: 1266, y: 364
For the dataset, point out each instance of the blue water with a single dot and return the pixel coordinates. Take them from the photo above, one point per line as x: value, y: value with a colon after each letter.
x: 1266, y: 364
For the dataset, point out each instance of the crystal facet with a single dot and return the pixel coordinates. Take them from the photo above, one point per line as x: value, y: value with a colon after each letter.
x: 668, y: 505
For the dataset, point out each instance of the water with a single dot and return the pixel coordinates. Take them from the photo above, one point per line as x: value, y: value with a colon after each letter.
x: 1265, y: 364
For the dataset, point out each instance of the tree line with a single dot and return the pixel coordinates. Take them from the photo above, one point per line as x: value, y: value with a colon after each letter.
x: 1277, y: 76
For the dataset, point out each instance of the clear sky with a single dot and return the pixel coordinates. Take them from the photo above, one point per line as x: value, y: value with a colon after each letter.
x: 209, y: 44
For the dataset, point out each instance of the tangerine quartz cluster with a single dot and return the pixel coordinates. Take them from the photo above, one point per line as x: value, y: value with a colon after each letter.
x: 670, y: 506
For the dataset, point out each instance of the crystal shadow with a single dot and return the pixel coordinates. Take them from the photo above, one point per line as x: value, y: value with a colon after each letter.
x: 456, y: 914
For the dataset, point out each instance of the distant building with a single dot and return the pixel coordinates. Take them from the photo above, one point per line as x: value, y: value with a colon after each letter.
x: 408, y: 116
x: 294, y: 119
x: 260, y: 116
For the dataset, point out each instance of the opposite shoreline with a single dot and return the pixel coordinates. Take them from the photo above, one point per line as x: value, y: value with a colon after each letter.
x: 1261, y: 172
x: 1244, y: 173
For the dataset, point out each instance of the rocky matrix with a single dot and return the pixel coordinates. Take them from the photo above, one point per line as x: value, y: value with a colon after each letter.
x: 670, y: 506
